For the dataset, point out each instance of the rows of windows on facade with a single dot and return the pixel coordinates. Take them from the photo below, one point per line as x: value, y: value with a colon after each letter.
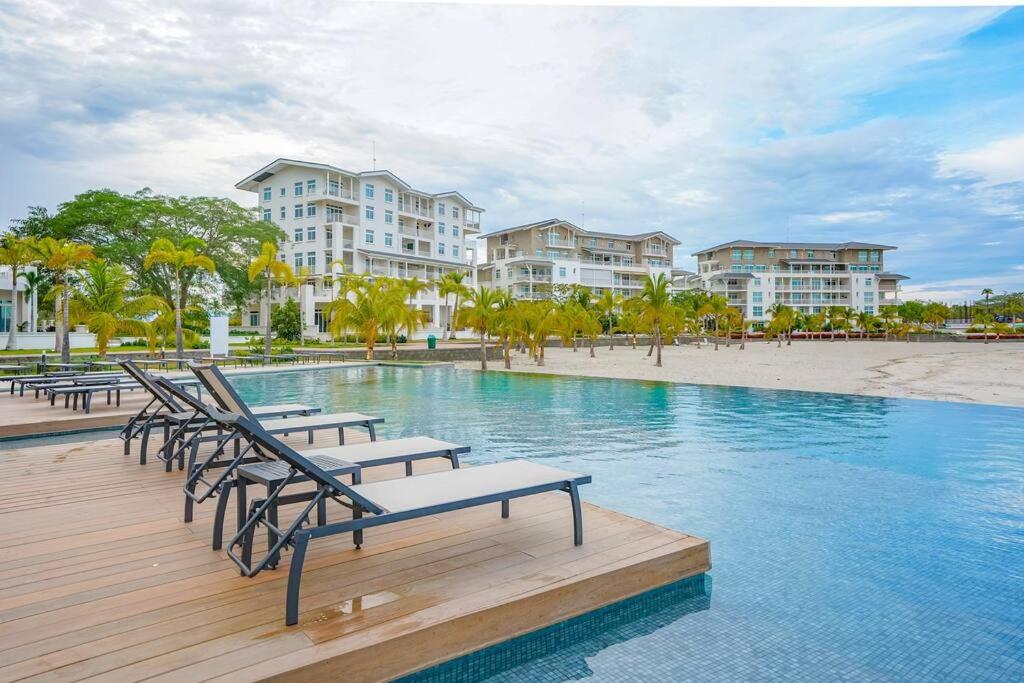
x: 871, y: 257
x: 308, y: 210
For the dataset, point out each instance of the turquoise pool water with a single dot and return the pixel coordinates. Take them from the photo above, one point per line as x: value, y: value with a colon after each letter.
x: 852, y: 537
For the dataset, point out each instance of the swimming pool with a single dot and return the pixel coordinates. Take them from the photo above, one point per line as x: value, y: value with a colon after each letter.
x: 852, y: 537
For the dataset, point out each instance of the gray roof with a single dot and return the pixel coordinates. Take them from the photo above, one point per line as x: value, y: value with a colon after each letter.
x: 891, y: 276
x: 551, y: 222
x: 729, y: 275
x: 829, y: 246
x: 414, y: 257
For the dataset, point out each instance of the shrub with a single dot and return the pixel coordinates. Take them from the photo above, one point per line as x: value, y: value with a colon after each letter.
x: 286, y: 321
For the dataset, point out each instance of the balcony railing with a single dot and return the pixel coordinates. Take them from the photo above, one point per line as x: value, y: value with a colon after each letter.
x: 339, y: 217
x: 413, y: 209
x: 340, y: 192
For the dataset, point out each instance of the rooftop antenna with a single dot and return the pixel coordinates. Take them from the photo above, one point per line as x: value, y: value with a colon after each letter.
x: 374, y: 143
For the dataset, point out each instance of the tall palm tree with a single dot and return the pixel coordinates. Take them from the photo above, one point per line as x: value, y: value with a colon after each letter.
x: 607, y: 305
x: 782, y: 321
x: 865, y: 321
x: 834, y: 315
x: 987, y: 321
x: 657, y: 305
x: 508, y: 324
x: 888, y: 315
x: 15, y: 253
x: 480, y: 315
x: 987, y: 292
x: 33, y: 284
x: 179, y: 260
x: 847, y: 317
x: 715, y: 308
x: 62, y: 258
x: 103, y: 303
x: 267, y: 266
x: 451, y: 284
x: 373, y: 307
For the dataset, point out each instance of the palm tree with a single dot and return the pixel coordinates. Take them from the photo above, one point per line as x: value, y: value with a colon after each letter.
x: 62, y: 258
x: 715, y: 308
x: 33, y: 283
x: 987, y: 321
x: 935, y: 314
x: 451, y: 284
x: 865, y: 321
x: 834, y: 315
x: 657, y: 305
x: 15, y: 253
x: 179, y: 260
x: 847, y: 316
x: 782, y: 320
x: 987, y: 292
x: 888, y: 315
x: 607, y: 305
x: 480, y: 315
x: 103, y: 304
x: 268, y: 266
x: 508, y: 324
x: 374, y: 305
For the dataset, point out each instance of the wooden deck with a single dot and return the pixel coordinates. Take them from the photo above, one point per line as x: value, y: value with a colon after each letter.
x: 99, y: 577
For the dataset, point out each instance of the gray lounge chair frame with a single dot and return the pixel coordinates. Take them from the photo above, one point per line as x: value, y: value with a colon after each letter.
x: 228, y: 400
x: 296, y: 537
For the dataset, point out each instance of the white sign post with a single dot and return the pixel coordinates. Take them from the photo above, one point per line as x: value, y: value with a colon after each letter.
x: 219, y: 335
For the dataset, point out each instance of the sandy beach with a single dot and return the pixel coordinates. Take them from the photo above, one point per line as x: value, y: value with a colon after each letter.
x: 974, y: 373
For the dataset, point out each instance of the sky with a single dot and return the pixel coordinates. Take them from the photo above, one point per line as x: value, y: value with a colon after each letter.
x: 898, y: 126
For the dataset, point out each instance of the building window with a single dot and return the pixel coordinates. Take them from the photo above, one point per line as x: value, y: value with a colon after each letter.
x: 497, y: 273
x: 440, y: 208
x: 455, y: 250
x: 389, y: 216
x: 792, y: 253
x: 869, y: 309
x: 298, y: 234
x: 310, y: 209
x: 771, y: 253
x: 311, y: 234
x: 455, y: 212
x: 757, y: 282
x: 440, y: 248
x: 388, y: 239
x: 266, y: 194
x: 455, y: 231
x: 810, y: 253
x: 440, y: 228
x: 867, y: 282
x: 368, y: 190
x: 284, y: 212
x: 333, y: 188
x: 874, y: 256
x: 369, y: 236
x: 266, y: 215
x: 311, y: 261
x: 254, y: 319
x: 284, y: 191
x: 869, y: 297
x: 298, y: 261
x: 311, y: 187
x: 611, y: 244
x: 298, y: 211
x: 561, y: 272
x: 369, y: 213
x: 737, y: 254
x: 748, y: 254
x: 862, y: 256
x: 737, y: 268
x: 758, y: 311
x: 389, y: 196
x: 298, y: 189
x: 757, y: 297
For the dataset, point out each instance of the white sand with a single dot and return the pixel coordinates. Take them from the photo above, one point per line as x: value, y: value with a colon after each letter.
x: 944, y: 371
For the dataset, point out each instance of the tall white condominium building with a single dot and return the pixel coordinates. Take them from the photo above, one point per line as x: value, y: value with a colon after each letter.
x: 807, y: 276
x: 529, y: 260
x: 371, y: 221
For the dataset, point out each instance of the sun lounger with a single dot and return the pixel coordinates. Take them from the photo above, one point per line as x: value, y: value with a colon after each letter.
x: 163, y: 411
x: 385, y: 502
x: 37, y: 382
x: 336, y: 460
x: 227, y: 399
x: 86, y: 390
x: 14, y: 368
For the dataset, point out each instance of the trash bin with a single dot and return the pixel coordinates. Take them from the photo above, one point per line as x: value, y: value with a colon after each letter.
x: 431, y: 342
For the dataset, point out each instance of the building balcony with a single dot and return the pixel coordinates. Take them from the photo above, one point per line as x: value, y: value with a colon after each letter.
x: 337, y: 192
x: 413, y: 210
x: 341, y: 218
x: 471, y: 226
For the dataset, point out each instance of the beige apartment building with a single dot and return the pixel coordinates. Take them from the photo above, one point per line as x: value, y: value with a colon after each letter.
x: 807, y: 276
x: 530, y: 260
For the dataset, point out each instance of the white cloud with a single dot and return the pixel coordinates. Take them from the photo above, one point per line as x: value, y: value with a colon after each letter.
x: 853, y: 216
x: 1000, y: 161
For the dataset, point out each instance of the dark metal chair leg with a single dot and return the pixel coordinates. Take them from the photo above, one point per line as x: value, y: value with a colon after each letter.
x: 218, y: 519
x: 577, y: 514
x: 504, y: 509
x: 291, y: 612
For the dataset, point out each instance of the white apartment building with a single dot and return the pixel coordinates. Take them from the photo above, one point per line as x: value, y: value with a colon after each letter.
x: 27, y: 304
x: 806, y: 276
x: 530, y: 260
x: 371, y: 221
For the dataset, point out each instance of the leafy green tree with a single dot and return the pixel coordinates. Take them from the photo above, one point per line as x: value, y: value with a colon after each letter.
x: 911, y: 311
x: 268, y: 267
x: 286, y: 321
x: 102, y: 302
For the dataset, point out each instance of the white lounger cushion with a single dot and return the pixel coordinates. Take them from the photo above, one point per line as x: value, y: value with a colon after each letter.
x: 428, y: 490
x: 257, y: 410
x: 364, y: 453
x: 307, y: 422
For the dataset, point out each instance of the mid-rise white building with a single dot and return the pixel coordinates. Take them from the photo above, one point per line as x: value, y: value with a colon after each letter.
x: 372, y: 222
x: 27, y: 303
x: 531, y: 260
x: 806, y: 276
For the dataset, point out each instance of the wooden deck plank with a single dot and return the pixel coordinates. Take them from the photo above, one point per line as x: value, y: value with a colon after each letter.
x: 99, y: 577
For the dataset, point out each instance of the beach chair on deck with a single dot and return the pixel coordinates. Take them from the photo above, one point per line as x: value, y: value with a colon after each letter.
x: 197, y: 488
x: 165, y: 412
x: 385, y: 502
